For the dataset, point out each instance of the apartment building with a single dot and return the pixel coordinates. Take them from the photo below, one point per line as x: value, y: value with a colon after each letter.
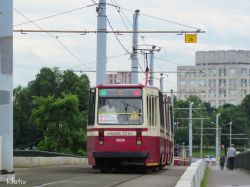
x: 118, y: 78
x: 218, y: 77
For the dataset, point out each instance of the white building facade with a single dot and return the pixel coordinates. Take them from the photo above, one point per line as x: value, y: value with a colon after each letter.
x: 218, y: 77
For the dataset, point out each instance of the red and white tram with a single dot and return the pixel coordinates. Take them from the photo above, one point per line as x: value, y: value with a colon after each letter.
x: 129, y: 125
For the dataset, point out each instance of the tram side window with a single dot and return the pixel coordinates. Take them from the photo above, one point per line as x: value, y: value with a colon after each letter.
x: 152, y: 110
x: 149, y: 105
x: 91, y: 115
x: 161, y: 105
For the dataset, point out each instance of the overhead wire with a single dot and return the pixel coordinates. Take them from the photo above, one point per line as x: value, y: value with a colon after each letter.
x: 162, y: 19
x: 56, y: 38
x: 119, y: 41
x: 54, y: 15
x: 122, y: 13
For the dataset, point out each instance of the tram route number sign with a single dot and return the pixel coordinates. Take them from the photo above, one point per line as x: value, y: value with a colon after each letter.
x: 190, y: 38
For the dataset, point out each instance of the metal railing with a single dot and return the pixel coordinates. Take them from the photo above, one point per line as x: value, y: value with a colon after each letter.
x: 36, y: 153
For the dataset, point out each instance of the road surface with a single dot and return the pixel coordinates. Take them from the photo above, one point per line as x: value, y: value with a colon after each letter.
x: 75, y: 176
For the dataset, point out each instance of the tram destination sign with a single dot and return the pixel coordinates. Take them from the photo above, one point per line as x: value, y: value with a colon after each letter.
x: 120, y: 92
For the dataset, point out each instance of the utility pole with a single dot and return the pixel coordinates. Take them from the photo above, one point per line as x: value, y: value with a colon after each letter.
x: 161, y: 82
x: 6, y: 93
x: 101, y: 43
x: 151, y: 68
x: 230, y: 136
x: 217, y: 140
x: 190, y: 133
x: 134, y: 58
x: 172, y: 131
x: 201, y: 146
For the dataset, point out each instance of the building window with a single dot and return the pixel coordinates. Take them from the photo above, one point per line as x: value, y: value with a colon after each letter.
x: 243, y: 82
x: 232, y: 71
x: 222, y: 93
x: 222, y: 83
x: 222, y: 102
x: 202, y: 83
x: 233, y: 83
x: 192, y: 83
x: 182, y: 74
x: 212, y: 93
x: 243, y: 71
x: 243, y: 93
x: 233, y: 102
x: 182, y: 83
x: 213, y: 72
x: 202, y: 94
x: 212, y: 103
x: 182, y: 94
x: 233, y: 92
x: 212, y: 83
x: 222, y: 72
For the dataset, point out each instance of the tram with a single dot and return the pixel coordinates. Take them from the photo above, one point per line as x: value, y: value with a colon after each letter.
x: 129, y: 125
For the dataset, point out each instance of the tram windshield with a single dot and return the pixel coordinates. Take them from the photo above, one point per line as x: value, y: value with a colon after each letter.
x: 120, y: 110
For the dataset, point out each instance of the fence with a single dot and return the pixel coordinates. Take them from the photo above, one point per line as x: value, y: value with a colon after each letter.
x: 1, y: 153
x: 242, y: 161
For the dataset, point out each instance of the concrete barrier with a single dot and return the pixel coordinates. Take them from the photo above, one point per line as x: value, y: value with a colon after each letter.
x: 193, y: 175
x: 29, y: 162
x: 1, y: 166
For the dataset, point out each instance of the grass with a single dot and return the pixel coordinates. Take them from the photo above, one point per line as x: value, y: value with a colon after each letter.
x: 204, y: 180
x: 196, y: 152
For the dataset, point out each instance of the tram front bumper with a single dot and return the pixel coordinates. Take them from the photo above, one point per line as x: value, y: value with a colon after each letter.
x: 143, y: 155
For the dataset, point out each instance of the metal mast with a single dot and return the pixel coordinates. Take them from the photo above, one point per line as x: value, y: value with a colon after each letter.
x: 134, y: 58
x: 161, y: 83
x: 101, y: 43
x: 190, y: 127
x: 6, y: 87
x: 151, y: 68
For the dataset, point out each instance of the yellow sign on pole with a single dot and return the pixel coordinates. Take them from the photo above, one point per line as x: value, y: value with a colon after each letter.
x: 190, y: 38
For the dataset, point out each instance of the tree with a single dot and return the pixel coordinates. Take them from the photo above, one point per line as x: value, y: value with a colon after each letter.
x: 25, y: 134
x: 48, y: 82
x: 61, y: 122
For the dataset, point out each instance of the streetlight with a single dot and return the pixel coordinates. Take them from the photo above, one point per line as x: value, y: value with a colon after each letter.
x: 190, y: 133
x: 201, y: 140
x: 230, y: 133
x: 217, y: 139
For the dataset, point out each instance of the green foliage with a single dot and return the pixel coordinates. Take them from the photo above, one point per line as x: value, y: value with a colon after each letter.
x: 61, y: 123
x: 238, y: 115
x: 204, y: 179
x: 59, y: 88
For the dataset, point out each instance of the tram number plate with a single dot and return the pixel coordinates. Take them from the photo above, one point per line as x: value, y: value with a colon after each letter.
x: 120, y: 140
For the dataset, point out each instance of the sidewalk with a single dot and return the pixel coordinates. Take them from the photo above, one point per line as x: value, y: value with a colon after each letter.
x: 226, y: 178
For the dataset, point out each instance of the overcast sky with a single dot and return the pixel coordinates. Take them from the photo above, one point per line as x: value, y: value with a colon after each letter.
x: 226, y: 22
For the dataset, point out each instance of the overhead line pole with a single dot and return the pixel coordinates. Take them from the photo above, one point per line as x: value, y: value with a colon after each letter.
x: 101, y: 43
x: 134, y: 58
x: 190, y: 133
x: 6, y: 90
x: 151, y: 68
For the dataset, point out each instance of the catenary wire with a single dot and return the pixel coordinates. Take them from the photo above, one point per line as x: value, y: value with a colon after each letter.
x: 157, y: 18
x: 54, y: 15
x: 56, y: 38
